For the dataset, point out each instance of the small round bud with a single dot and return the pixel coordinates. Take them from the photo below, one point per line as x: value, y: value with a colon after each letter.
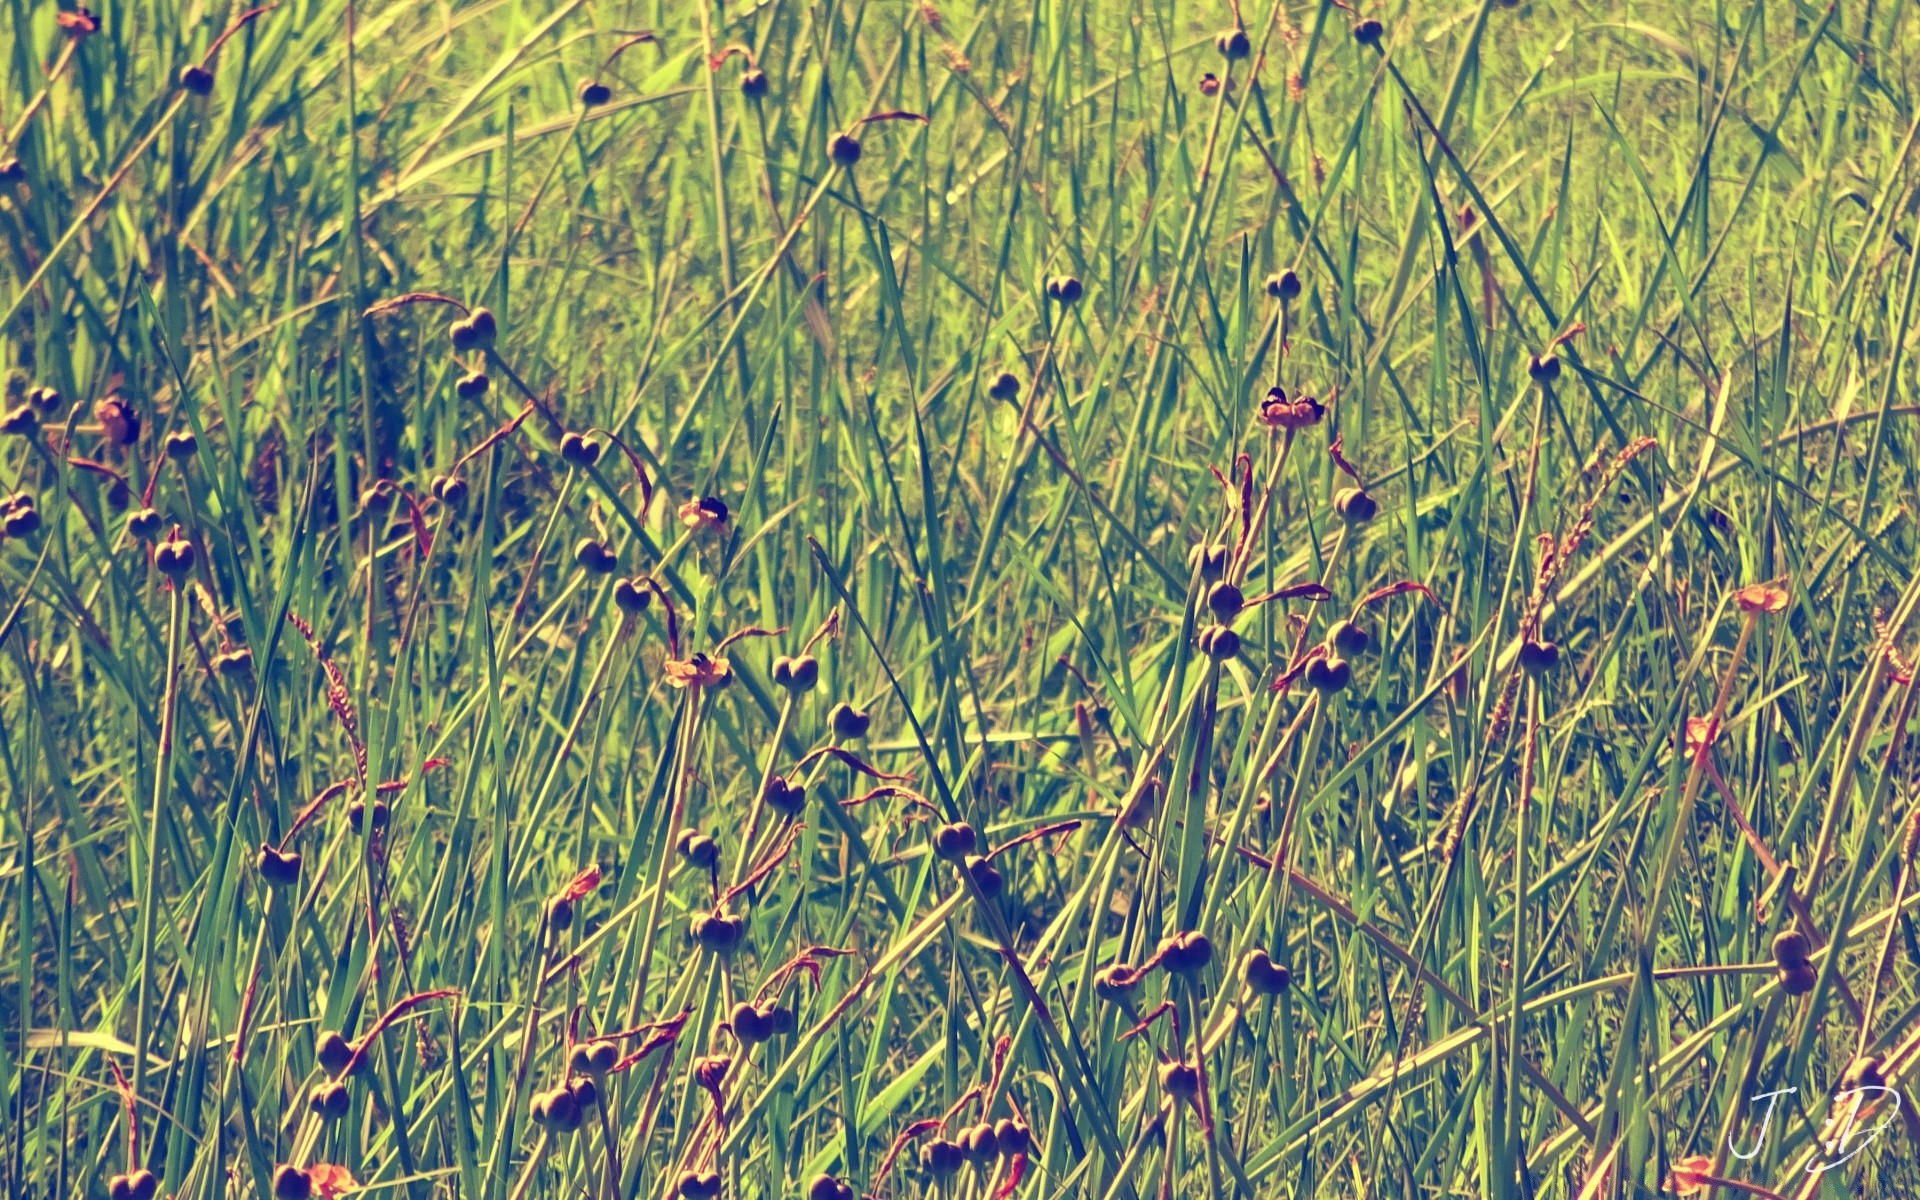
x: 698, y: 1185
x: 1368, y: 32
x: 1005, y: 386
x: 1013, y: 1135
x: 1283, y: 285
x: 357, y: 814
x: 563, y: 1111
x: 1263, y: 976
x: 119, y: 1189
x: 291, y: 1183
x: 1790, y: 948
x: 281, y: 869
x: 844, y: 149
x: 143, y: 523
x: 753, y: 83
x: 595, y: 556
x: 719, y: 932
x: 1328, y: 675
x: 1186, y: 953
x: 698, y: 849
x: 941, y: 1158
x: 330, y: 1101
x: 1539, y: 657
x: 985, y: 876
x: 798, y: 675
x: 1863, y: 1072
x: 21, y: 520
x: 631, y: 596
x: 1233, y: 44
x: 982, y: 1147
x: 1355, y: 506
x: 1210, y: 560
x: 560, y: 914
x: 848, y: 722
x: 1543, y: 369
x: 780, y: 1020
x: 142, y: 1184
x: 1219, y: 643
x: 1798, y: 979
x: 1116, y: 982
x: 955, y: 842
x: 174, y: 557
x: 1180, y: 1080
x: 44, y: 397
x: 181, y: 444
x: 593, y: 93
x: 826, y: 1187
x: 333, y: 1052
x: 235, y: 663
x: 460, y: 333
x: 196, y: 79
x: 450, y: 490
x: 585, y: 1093
x: 749, y: 1025
x: 1349, y: 639
x: 484, y: 328
x: 1064, y: 289
x: 579, y: 449
x: 472, y: 385
x: 1225, y: 600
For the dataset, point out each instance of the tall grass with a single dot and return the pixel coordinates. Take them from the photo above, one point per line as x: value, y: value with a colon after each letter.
x: 676, y: 600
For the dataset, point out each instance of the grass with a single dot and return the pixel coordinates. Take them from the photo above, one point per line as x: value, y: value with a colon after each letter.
x: 729, y: 612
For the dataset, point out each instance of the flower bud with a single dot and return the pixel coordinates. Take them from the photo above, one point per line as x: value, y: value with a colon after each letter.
x: 955, y: 842
x: 593, y: 93
x: 1355, y: 506
x: 1233, y: 44
x: 753, y: 83
x: 1064, y: 289
x: 848, y: 722
x: 844, y: 149
x: 1349, y: 639
x: 196, y: 79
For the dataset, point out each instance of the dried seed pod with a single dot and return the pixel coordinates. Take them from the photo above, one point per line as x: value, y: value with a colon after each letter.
x: 941, y: 1158
x: 142, y: 1184
x: 1798, y: 979
x: 12, y: 170
x: 174, y: 557
x: 118, y: 419
x: 357, y: 814
x: 749, y: 1024
x: 234, y: 663
x: 1285, y: 285
x: 20, y: 421
x: 1349, y: 639
x: 579, y: 449
x: 1368, y: 32
x: 196, y: 79
x: 450, y: 490
x: 698, y: 849
x: 181, y: 445
x: 119, y: 1189
x: 721, y: 933
x: 1185, y: 953
x: 44, y: 397
x: 799, y: 674
x: 1790, y: 948
x: 698, y: 1185
x: 1225, y: 600
x: 1543, y: 369
x: 1219, y: 642
x: 291, y: 1183
x: 753, y: 83
x: 481, y: 321
x: 848, y: 722
x: 1233, y: 44
x: 956, y: 841
x: 1005, y: 386
x: 780, y: 1020
x: 1116, y: 982
x: 562, y: 1111
x: 21, y: 520
x: 585, y: 1092
x: 844, y: 149
x: 593, y: 93
x: 1539, y: 657
x: 281, y: 869
x: 560, y: 914
x: 472, y: 385
x: 1064, y: 289
x: 1355, y: 506
x: 1209, y: 560
x: 1863, y: 1072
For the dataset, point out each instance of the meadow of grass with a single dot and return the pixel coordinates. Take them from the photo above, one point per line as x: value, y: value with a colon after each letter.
x: 830, y: 598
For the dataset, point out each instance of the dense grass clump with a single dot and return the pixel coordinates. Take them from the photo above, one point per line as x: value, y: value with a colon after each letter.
x: 846, y: 598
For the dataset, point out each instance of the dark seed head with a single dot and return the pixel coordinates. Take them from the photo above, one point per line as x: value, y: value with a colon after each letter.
x: 698, y: 849
x: 1005, y: 386
x: 1790, y: 948
x: 1209, y: 560
x: 1368, y: 32
x: 460, y: 333
x: 20, y: 520
x: 560, y: 914
x: 1863, y: 1072
x: 182, y: 444
x: 1233, y: 44
x: 277, y: 868
x: 719, y: 932
x: 749, y: 1025
x: 119, y: 420
x: 1219, y: 643
x: 753, y: 83
x: 954, y: 842
x: 1539, y: 657
x: 1064, y: 289
x: 196, y: 79
x: 234, y: 663
x: 579, y: 449
x: 780, y: 1020
x: 1263, y: 976
x: 451, y: 490
x: 941, y: 1158
x: 12, y: 170
x: 585, y: 1092
x: 826, y: 1187
x: 697, y: 1185
x: 333, y: 1052
x: 291, y: 1183
x: 982, y: 1146
x: 1115, y: 982
x: 1798, y: 979
x: 594, y: 93
x: 1544, y: 368
x: 1328, y: 675
x: 119, y: 1189
x: 985, y: 876
x: 563, y: 1111
x: 174, y: 557
x: 44, y: 398
x: 142, y: 1184
x: 472, y: 385
x: 1355, y: 506
x: 1284, y: 285
x: 357, y: 814
x: 799, y: 674
x: 1186, y: 953
x: 484, y: 328
x: 1349, y: 639
x: 844, y: 149
x: 848, y: 722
